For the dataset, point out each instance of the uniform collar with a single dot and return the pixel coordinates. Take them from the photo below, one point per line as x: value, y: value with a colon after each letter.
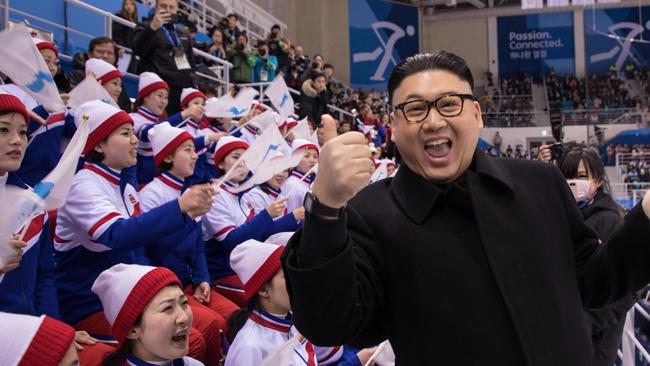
x: 300, y: 175
x: 275, y: 193
x: 227, y: 186
x: 417, y: 196
x: 146, y: 113
x: 267, y: 320
x: 105, y: 172
x: 13, y: 180
x: 170, y: 180
x: 138, y: 362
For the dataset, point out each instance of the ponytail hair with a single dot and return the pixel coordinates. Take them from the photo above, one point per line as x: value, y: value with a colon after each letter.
x: 238, y: 318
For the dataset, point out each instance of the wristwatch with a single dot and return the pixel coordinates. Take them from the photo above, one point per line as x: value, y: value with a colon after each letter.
x: 314, y: 207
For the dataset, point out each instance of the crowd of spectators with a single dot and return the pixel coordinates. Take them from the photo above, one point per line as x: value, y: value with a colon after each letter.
x: 510, y: 104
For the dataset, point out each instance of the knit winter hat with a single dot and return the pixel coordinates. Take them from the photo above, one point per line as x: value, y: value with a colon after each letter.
x: 255, y: 263
x: 102, y: 119
x: 225, y: 145
x: 259, y: 106
x: 46, y: 45
x: 104, y: 72
x: 150, y: 82
x: 190, y: 93
x: 126, y: 289
x: 27, y: 340
x: 300, y: 144
x: 165, y: 139
x: 11, y: 103
x: 290, y: 122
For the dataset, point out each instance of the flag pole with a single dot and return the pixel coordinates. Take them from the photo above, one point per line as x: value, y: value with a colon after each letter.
x: 301, y: 179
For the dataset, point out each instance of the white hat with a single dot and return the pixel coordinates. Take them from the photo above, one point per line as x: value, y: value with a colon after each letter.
x: 225, y: 145
x: 190, y: 93
x: 126, y: 289
x: 102, y: 118
x: 150, y: 82
x: 300, y: 144
x: 259, y: 106
x: 45, y: 45
x: 281, y: 238
x: 27, y: 340
x: 165, y: 139
x: 103, y: 71
x: 255, y: 263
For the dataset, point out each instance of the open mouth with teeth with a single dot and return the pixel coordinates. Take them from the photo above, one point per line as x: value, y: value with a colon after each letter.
x: 438, y: 148
x: 181, y: 337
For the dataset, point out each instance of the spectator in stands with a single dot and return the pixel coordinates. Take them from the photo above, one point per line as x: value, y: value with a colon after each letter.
x: 301, y: 59
x: 585, y: 173
x: 217, y: 48
x: 242, y: 60
x: 104, y: 49
x: 316, y: 64
x: 313, y: 98
x: 166, y: 50
x: 265, y: 65
x: 292, y: 78
x: 232, y: 31
x: 497, y: 141
x: 279, y: 47
x: 121, y: 33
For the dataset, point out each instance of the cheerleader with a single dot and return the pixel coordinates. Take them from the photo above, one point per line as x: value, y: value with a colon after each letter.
x: 47, y: 131
x: 266, y: 323
x: 100, y: 223
x: 227, y: 224
x: 190, y: 98
x: 107, y: 75
x: 297, y: 185
x: 175, y: 158
x: 149, y: 314
x: 29, y: 288
x: 153, y: 94
x: 260, y: 197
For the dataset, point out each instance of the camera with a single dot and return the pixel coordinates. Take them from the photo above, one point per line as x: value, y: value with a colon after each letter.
x: 557, y: 149
x: 262, y: 52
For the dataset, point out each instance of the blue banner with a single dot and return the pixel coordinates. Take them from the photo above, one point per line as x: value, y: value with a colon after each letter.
x: 535, y: 43
x: 382, y: 33
x: 609, y: 35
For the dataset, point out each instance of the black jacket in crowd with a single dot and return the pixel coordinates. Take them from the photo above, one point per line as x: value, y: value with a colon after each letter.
x: 492, y: 272
x: 156, y: 53
x: 313, y: 104
x: 604, y: 216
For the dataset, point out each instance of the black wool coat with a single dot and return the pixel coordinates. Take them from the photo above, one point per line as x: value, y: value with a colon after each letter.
x: 372, y: 275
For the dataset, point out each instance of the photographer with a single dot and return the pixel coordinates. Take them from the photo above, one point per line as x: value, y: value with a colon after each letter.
x: 279, y: 47
x: 265, y: 64
x: 316, y: 65
x: 166, y: 50
x: 242, y: 60
x: 231, y: 30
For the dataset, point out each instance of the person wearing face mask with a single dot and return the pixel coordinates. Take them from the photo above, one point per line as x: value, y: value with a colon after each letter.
x: 265, y: 65
x: 585, y: 174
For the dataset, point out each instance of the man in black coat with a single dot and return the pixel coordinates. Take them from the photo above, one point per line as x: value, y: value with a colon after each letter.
x: 166, y: 50
x: 461, y: 258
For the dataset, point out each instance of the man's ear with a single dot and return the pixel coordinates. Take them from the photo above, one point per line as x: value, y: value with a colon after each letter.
x: 478, y: 114
x: 393, y: 121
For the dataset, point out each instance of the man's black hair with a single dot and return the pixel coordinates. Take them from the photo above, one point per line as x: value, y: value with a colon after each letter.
x: 97, y: 41
x: 438, y: 60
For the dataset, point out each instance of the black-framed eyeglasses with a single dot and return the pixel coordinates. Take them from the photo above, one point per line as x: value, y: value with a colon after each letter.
x: 448, y: 105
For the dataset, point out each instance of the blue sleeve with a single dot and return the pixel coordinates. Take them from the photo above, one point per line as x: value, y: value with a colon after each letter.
x: 70, y: 127
x: 285, y: 223
x: 41, y: 111
x: 256, y: 228
x: 348, y: 358
x: 199, y: 265
x: 161, y: 247
x: 46, y: 301
x: 175, y: 119
x: 162, y: 224
x: 144, y: 132
x: 199, y: 142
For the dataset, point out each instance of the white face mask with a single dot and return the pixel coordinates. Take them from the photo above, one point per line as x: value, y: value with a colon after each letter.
x: 581, y: 189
